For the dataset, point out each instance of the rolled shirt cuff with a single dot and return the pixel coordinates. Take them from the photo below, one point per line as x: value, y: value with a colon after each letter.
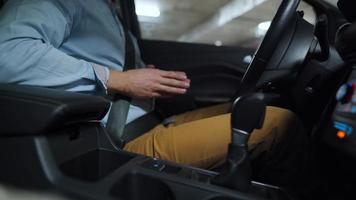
x: 102, y: 74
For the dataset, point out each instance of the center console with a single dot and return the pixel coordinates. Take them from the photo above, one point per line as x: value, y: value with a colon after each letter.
x: 88, y: 166
x: 98, y: 171
x: 78, y: 158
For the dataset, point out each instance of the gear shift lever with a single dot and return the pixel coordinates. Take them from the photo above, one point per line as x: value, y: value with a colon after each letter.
x: 248, y: 113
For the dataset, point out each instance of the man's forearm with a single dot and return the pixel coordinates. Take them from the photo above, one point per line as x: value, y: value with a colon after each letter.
x: 116, y: 82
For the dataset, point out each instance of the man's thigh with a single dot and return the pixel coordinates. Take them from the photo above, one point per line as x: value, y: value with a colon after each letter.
x: 201, y: 113
x: 199, y: 143
x: 204, y: 142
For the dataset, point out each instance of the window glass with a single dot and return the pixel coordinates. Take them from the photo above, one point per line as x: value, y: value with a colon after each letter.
x: 219, y: 22
x: 309, y: 13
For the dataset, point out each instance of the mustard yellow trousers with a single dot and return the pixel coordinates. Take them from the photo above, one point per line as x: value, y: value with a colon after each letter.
x: 200, y: 138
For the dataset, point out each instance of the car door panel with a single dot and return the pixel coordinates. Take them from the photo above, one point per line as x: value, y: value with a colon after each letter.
x: 215, y: 71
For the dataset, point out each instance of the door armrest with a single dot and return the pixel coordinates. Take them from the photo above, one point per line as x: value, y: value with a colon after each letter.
x: 30, y: 110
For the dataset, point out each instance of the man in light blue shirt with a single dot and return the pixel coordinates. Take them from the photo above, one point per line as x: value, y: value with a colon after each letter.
x: 79, y: 45
x: 42, y: 44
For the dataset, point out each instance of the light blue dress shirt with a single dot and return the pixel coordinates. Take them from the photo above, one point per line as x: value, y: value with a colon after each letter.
x: 58, y: 43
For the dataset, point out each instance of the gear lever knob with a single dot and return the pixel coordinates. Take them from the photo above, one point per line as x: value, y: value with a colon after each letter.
x: 248, y: 113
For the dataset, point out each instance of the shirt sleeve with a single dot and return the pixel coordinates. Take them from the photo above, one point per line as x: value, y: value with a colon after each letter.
x: 102, y: 73
x: 30, y: 34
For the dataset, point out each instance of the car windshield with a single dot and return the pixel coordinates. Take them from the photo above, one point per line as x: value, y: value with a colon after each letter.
x: 216, y: 22
x: 333, y: 2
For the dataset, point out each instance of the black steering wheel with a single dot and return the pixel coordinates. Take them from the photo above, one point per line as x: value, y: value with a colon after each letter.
x: 285, y: 46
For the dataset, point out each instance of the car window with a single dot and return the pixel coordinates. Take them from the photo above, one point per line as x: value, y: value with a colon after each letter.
x: 332, y: 2
x: 309, y: 13
x: 218, y: 22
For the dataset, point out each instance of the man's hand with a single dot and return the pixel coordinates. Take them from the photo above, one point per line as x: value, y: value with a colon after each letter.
x: 148, y: 83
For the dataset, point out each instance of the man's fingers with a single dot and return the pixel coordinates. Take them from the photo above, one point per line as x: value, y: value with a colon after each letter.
x: 150, y: 66
x: 162, y: 95
x: 175, y: 75
x: 175, y: 83
x: 171, y: 90
x: 156, y: 95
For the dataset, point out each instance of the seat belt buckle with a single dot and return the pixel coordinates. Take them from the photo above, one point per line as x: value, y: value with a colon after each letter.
x: 168, y: 121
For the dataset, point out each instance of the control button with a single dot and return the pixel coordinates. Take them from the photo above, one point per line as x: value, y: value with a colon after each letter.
x: 158, y: 165
x: 345, y: 93
x: 341, y: 134
x: 344, y: 130
x: 154, y: 164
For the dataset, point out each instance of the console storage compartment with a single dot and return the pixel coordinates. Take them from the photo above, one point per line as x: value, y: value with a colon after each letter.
x: 94, y: 165
x: 135, y: 186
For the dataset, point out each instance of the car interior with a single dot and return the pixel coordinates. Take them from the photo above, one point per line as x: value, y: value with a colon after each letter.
x: 53, y: 140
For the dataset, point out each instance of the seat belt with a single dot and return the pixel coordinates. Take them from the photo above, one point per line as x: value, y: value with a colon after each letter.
x: 119, y: 131
x: 121, y: 104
